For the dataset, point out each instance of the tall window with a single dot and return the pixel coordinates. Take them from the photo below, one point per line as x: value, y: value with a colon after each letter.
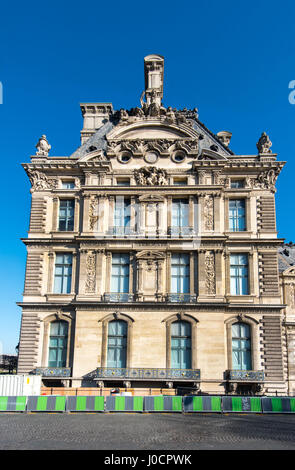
x: 237, y: 215
x: 181, y: 345
x: 122, y: 213
x: 58, y: 342
x: 120, y: 273
x: 241, y: 347
x: 117, y: 344
x: 239, y: 274
x: 180, y: 213
x: 180, y: 273
x: 63, y: 273
x: 66, y: 215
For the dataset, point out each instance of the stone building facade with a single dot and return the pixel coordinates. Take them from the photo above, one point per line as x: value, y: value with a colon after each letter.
x: 152, y: 256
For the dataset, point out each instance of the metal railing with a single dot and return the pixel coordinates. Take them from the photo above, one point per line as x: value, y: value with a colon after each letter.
x: 152, y: 373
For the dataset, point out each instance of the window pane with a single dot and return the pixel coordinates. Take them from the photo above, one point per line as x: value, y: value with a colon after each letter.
x: 241, y: 346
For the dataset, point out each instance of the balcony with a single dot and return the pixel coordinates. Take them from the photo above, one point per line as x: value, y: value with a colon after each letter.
x: 179, y: 375
x: 181, y: 298
x: 181, y: 232
x: 245, y: 375
x: 118, y: 297
x: 53, y: 371
x: 120, y: 231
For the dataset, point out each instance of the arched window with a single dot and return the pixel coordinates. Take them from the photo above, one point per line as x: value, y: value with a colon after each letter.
x: 241, y: 346
x: 58, y: 344
x: 181, y: 351
x: 117, y: 344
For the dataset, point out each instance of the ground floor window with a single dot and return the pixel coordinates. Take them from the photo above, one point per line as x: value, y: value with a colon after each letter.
x: 58, y: 342
x: 241, y: 346
x: 117, y: 344
x: 181, y: 345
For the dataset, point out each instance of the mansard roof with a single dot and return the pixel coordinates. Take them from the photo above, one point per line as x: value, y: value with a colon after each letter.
x: 286, y: 257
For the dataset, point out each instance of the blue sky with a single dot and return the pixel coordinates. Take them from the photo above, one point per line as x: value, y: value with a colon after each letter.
x: 233, y: 60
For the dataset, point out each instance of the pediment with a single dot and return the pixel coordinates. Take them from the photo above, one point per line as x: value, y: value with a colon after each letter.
x: 152, y: 129
x: 290, y: 271
x: 150, y: 198
x: 208, y: 154
x: 96, y: 156
x: 150, y: 255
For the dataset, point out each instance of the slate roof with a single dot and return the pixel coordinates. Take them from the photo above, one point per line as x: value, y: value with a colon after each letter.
x: 286, y: 256
x: 97, y: 140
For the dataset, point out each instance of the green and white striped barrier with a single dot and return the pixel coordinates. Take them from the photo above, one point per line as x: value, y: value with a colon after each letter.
x: 241, y: 405
x: 162, y: 403
x: 13, y: 403
x: 85, y: 403
x: 124, y: 404
x: 278, y: 405
x: 46, y: 403
x: 202, y: 404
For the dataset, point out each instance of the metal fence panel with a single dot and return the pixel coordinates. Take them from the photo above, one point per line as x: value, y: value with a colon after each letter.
x: 241, y: 404
x: 278, y: 405
x: 202, y: 404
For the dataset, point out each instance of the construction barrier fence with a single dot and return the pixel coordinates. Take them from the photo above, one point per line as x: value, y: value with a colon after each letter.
x: 202, y: 404
x: 124, y: 404
x: 154, y: 403
x: 241, y: 405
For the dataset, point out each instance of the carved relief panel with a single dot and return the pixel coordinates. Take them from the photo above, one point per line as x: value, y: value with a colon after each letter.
x: 150, y: 275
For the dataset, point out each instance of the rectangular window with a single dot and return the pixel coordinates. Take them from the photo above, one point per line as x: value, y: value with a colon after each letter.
x: 179, y: 181
x: 180, y: 213
x: 68, y: 184
x: 120, y: 273
x: 237, y: 215
x: 234, y: 184
x: 239, y: 274
x: 122, y: 213
x: 66, y: 215
x: 63, y: 273
x: 180, y: 274
x: 123, y: 182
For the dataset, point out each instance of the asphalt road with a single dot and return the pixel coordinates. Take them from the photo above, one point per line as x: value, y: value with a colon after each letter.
x: 146, y: 432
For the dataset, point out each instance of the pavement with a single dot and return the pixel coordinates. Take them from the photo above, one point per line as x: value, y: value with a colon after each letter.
x: 159, y: 431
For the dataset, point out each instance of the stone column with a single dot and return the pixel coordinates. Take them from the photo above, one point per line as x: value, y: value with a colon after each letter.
x: 251, y: 273
x: 111, y: 212
x: 249, y: 227
x: 217, y: 212
x: 191, y: 213
x: 168, y: 273
x: 74, y: 273
x: 219, y: 271
x: 169, y: 212
x: 227, y: 272
x: 55, y: 204
x: 50, y: 272
x: 108, y: 271
x: 201, y: 274
x: 77, y: 214
x: 192, y: 272
x: 86, y: 203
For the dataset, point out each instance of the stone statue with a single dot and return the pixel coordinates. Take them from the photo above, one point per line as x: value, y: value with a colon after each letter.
x: 43, y: 146
x: 264, y: 144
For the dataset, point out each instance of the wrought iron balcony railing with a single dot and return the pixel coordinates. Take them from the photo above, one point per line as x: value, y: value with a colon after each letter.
x: 181, y: 297
x: 147, y: 374
x: 118, y: 297
x: 53, y: 371
x: 245, y: 375
x: 181, y: 231
x: 120, y: 231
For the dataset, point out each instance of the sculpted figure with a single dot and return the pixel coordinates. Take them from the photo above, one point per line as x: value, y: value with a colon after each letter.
x: 43, y: 146
x: 264, y: 144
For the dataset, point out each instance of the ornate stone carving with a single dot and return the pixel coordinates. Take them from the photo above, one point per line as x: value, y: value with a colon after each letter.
x: 90, y: 272
x: 224, y: 137
x: 210, y: 272
x: 208, y: 212
x: 264, y: 144
x: 40, y: 181
x: 267, y: 179
x: 151, y: 176
x: 43, y: 146
x: 93, y: 217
